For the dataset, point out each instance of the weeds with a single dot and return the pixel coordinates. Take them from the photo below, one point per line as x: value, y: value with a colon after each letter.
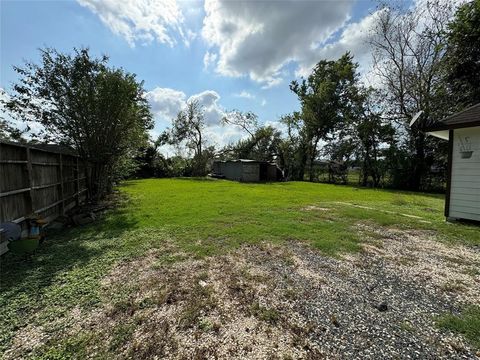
x: 466, y: 323
x: 265, y: 314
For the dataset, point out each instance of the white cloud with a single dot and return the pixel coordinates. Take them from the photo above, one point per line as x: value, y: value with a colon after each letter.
x: 166, y: 103
x: 29, y: 127
x: 221, y: 135
x: 259, y: 39
x: 354, y: 38
x: 213, y: 112
x: 244, y: 94
x: 264, y: 102
x: 277, y: 125
x: 142, y: 21
x: 209, y: 59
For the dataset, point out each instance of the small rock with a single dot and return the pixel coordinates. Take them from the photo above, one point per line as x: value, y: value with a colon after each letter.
x: 383, y: 306
x: 334, y: 321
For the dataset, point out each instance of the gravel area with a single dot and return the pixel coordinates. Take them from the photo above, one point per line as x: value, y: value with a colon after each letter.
x: 372, y: 306
x: 288, y: 302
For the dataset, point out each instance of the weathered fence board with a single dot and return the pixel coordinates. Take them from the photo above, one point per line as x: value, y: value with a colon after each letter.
x: 34, y: 180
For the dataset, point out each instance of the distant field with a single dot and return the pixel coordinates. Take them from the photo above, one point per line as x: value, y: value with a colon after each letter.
x: 61, y: 298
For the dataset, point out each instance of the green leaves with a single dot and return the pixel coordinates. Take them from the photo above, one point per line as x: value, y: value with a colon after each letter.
x: 80, y: 101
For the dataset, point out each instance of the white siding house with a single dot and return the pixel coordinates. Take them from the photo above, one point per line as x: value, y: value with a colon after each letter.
x: 462, y: 130
x: 465, y: 176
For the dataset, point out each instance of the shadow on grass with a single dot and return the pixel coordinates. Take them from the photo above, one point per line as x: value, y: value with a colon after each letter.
x: 129, y: 183
x: 197, y: 178
x: 62, y: 250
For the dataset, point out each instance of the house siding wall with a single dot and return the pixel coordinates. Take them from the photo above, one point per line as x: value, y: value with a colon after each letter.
x: 465, y: 177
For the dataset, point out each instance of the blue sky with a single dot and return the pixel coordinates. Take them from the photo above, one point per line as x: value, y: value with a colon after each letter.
x: 229, y: 55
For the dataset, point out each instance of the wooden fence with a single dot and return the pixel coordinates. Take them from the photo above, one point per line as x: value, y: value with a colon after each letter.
x: 43, y: 180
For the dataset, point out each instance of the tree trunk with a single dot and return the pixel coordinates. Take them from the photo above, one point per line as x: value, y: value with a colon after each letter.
x: 419, y: 165
x: 96, y: 182
x: 313, y: 155
x: 300, y: 173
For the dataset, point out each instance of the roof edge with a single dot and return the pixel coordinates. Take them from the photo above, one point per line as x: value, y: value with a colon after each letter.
x: 440, y: 126
x: 460, y: 112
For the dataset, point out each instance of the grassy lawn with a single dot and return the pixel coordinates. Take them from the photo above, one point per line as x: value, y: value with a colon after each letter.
x: 195, y: 218
x: 208, y: 216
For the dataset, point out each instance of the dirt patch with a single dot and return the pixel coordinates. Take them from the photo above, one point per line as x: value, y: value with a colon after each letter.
x: 314, y: 208
x: 25, y: 341
x: 284, y: 302
x: 419, y: 218
x: 217, y: 308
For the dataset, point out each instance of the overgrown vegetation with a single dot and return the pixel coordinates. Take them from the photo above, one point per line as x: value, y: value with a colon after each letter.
x: 80, y: 101
x: 422, y: 59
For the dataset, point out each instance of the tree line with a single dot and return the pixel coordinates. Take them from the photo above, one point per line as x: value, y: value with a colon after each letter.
x: 426, y: 65
x: 425, y: 62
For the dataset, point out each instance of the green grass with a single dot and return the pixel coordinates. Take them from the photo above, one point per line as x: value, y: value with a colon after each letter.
x: 208, y: 216
x: 197, y: 218
x: 467, y: 323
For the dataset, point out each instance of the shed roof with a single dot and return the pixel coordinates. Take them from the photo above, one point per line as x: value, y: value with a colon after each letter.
x: 244, y: 161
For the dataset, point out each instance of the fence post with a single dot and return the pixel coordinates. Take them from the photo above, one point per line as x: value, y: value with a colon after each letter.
x: 30, y: 206
x: 61, y: 183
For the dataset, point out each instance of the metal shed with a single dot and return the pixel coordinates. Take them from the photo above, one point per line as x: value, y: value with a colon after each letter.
x: 246, y: 170
x: 462, y: 130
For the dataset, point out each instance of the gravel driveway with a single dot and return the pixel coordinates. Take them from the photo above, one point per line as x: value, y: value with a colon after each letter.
x: 288, y: 302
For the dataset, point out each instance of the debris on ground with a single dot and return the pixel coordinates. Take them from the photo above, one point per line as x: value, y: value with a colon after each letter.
x: 83, y: 218
x: 85, y: 213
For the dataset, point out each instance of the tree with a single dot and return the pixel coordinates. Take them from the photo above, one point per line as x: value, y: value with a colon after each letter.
x: 293, y: 148
x: 247, y: 121
x: 261, y: 146
x: 371, y: 132
x: 7, y: 130
x: 323, y: 96
x: 408, y: 47
x: 81, y: 102
x: 463, y: 55
x: 188, y: 127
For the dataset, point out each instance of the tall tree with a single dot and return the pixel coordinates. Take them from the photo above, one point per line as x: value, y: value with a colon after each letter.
x: 262, y: 145
x: 372, y: 136
x: 188, y: 127
x: 292, y: 152
x: 408, y: 47
x: 323, y: 96
x: 247, y: 121
x: 81, y: 102
x: 463, y: 55
x: 7, y: 130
